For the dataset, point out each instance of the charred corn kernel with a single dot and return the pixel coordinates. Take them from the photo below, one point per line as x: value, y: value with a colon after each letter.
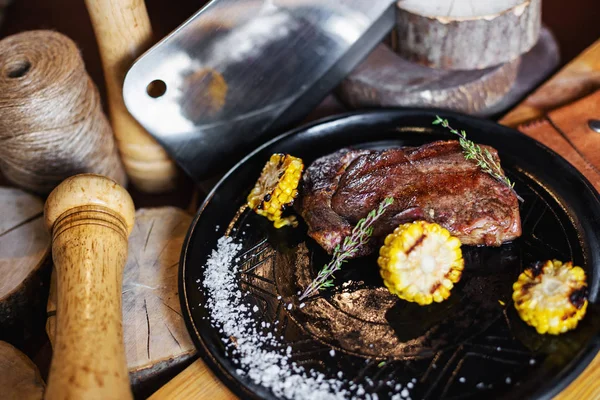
x: 277, y: 188
x: 551, y: 296
x: 421, y: 262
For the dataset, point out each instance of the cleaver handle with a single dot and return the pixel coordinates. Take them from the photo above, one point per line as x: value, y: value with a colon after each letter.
x: 123, y: 32
x: 90, y: 218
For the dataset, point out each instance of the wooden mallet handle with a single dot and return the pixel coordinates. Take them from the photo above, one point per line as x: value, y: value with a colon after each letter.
x: 123, y: 32
x: 90, y: 218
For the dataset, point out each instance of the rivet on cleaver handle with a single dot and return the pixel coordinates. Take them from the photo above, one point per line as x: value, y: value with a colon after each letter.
x: 239, y: 70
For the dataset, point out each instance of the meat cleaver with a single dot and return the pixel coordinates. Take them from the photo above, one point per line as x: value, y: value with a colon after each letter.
x: 240, y: 71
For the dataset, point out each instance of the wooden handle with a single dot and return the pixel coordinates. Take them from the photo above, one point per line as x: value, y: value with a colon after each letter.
x: 123, y: 32
x: 90, y: 218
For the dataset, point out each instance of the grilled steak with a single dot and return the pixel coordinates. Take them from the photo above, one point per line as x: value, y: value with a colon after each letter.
x: 433, y: 182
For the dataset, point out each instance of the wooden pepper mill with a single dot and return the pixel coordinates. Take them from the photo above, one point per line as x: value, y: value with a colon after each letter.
x: 90, y: 218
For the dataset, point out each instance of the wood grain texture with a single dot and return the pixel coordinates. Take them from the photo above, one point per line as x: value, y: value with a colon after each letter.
x: 196, y: 382
x: 90, y: 218
x: 154, y: 331
x: 466, y: 34
x: 19, y: 377
x: 578, y: 78
x: 123, y: 32
x: 24, y: 249
x: 386, y: 79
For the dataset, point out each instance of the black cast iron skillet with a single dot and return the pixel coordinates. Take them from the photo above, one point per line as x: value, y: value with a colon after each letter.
x: 470, y: 346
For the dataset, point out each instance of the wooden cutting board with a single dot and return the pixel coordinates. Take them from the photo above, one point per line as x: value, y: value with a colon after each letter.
x: 570, y: 138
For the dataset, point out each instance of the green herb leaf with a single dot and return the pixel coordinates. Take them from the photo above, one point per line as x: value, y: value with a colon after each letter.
x: 359, y: 236
x: 483, y: 158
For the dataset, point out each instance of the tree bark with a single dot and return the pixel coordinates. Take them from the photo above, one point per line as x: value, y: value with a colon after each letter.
x: 467, y: 34
x: 386, y: 79
x: 19, y: 377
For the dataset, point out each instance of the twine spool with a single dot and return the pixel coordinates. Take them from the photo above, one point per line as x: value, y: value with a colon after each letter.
x: 51, y: 120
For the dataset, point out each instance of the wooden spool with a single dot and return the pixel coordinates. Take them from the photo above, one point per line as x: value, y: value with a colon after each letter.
x: 24, y: 249
x: 19, y: 377
x: 386, y: 79
x: 90, y: 218
x: 123, y: 32
x: 155, y: 335
x: 466, y: 34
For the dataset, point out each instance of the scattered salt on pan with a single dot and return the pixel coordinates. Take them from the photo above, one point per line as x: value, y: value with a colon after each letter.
x: 462, y: 379
x: 498, y: 348
x: 414, y: 380
x: 301, y: 305
x: 480, y: 385
x: 269, y: 368
x: 508, y: 380
x: 531, y: 362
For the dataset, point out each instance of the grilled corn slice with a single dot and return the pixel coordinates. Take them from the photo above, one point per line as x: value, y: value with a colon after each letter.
x: 421, y: 262
x: 551, y: 296
x: 276, y: 189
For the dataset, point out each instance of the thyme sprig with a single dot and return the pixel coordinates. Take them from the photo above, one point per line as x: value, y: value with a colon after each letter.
x: 359, y: 236
x: 482, y: 157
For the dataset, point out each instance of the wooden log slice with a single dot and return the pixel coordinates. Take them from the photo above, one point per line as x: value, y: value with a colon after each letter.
x: 19, y: 377
x: 155, y: 336
x: 466, y: 34
x: 386, y: 79
x: 24, y: 249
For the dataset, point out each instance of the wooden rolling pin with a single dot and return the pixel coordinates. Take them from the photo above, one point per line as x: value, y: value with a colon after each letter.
x: 123, y: 32
x: 90, y: 218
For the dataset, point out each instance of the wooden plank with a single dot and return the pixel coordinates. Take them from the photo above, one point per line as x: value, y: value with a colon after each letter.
x: 577, y: 79
x: 195, y: 382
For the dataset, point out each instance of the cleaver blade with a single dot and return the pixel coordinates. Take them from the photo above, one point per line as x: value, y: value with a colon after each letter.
x: 240, y: 71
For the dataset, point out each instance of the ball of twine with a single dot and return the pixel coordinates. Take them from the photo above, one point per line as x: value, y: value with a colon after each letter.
x: 51, y: 121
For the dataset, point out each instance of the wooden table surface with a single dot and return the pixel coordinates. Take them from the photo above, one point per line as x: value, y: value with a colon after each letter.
x: 575, y: 27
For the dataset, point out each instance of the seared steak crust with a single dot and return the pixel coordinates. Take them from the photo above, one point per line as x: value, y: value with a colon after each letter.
x: 433, y: 182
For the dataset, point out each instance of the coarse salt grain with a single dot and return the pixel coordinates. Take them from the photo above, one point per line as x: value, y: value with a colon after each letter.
x: 269, y: 368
